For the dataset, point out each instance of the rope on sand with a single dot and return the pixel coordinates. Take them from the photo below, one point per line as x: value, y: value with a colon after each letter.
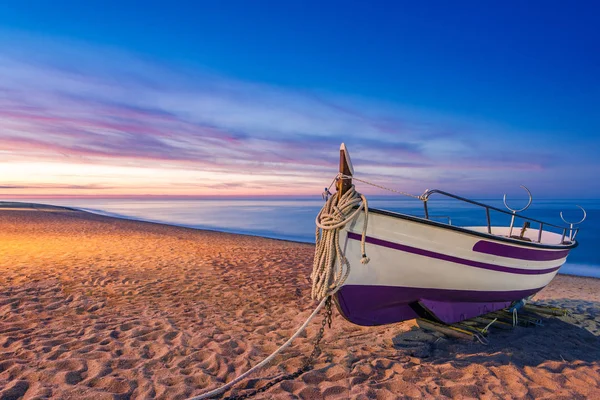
x: 326, y: 277
x: 264, y: 362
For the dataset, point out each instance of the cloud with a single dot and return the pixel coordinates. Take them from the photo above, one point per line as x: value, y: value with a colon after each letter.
x: 55, y: 186
x: 82, y: 104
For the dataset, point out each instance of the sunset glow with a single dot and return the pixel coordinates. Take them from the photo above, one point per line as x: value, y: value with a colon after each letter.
x: 98, y: 118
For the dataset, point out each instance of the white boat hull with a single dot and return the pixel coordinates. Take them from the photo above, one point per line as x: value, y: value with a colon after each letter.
x: 419, y: 267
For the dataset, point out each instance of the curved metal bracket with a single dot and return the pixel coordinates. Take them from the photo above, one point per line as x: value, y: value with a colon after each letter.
x: 514, y: 212
x: 574, y: 223
x: 524, y: 208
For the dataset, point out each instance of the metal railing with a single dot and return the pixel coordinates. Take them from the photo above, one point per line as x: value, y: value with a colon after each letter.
x: 572, y: 230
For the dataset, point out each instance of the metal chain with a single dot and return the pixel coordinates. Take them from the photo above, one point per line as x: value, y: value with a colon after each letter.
x: 307, y: 366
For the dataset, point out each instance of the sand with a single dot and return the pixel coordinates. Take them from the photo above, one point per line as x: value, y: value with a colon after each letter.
x: 93, y: 307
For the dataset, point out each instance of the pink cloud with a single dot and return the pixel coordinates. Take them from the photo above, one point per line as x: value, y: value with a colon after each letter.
x: 139, y: 113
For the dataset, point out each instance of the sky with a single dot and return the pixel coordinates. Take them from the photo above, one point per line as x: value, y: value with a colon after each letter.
x: 253, y: 98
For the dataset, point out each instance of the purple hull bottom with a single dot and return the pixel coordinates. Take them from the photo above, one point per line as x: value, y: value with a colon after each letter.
x: 380, y: 305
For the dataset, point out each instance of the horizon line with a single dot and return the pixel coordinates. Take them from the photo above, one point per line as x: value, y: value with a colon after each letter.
x: 242, y: 197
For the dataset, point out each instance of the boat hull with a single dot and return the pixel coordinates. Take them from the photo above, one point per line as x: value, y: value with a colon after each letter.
x: 423, y: 268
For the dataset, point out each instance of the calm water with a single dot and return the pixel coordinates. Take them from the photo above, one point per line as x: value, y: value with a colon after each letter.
x: 294, y: 219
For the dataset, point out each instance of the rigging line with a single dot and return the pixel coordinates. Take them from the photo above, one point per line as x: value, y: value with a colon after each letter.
x: 382, y: 187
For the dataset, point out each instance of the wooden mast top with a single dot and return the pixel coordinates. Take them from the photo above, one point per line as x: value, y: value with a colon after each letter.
x: 345, y: 168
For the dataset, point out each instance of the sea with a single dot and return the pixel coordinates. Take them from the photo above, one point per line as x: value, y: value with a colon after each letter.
x: 294, y: 219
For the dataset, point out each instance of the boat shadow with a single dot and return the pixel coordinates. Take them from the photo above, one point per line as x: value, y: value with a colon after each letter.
x: 570, y: 339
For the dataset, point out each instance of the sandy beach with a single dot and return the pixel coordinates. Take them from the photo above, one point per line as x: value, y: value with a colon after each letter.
x: 93, y: 307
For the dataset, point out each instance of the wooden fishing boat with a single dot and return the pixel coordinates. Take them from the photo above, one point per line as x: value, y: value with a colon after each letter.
x: 424, y: 268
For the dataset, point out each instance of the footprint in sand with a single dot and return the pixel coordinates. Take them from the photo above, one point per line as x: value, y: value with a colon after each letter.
x: 15, y: 390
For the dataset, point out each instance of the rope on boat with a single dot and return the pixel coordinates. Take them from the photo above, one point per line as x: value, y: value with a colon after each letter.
x: 485, y: 330
x: 326, y: 277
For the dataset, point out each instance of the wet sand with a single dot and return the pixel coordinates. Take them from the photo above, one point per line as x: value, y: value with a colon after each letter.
x: 93, y: 307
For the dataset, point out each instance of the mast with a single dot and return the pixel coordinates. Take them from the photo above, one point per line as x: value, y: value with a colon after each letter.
x: 345, y: 168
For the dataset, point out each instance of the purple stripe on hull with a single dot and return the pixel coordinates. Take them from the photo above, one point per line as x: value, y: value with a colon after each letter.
x: 446, y: 257
x: 380, y: 305
x: 518, y: 253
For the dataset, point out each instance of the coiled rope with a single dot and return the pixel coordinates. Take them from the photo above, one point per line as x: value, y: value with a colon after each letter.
x: 327, y: 278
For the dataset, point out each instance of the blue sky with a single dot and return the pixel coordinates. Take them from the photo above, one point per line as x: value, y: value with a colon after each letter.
x: 475, y: 97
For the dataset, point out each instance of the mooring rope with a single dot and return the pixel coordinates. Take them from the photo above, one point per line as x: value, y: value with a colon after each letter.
x: 326, y: 277
x: 264, y: 362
